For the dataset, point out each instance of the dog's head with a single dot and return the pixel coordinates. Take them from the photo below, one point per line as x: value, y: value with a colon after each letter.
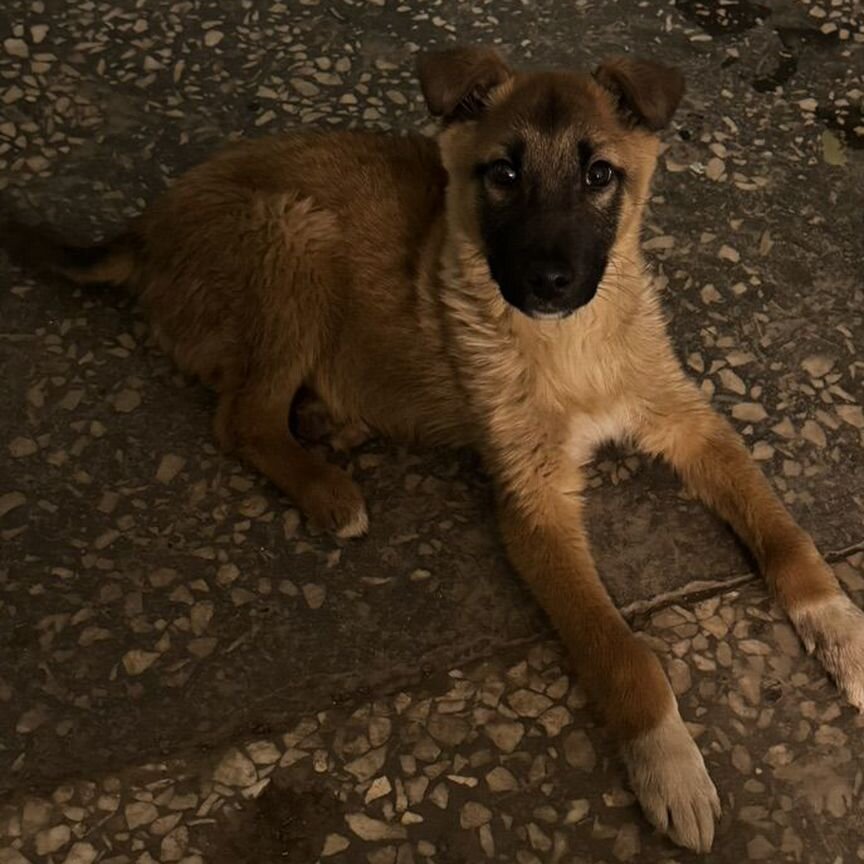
x: 548, y: 171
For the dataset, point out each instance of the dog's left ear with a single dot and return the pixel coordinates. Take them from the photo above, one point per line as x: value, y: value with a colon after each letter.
x: 456, y: 82
x: 647, y: 92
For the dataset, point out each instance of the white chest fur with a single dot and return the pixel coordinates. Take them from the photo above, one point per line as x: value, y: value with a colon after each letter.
x: 586, y: 432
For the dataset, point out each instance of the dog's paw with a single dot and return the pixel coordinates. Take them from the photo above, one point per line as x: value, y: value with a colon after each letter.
x: 356, y: 525
x: 669, y: 777
x: 312, y: 420
x: 351, y: 435
x: 833, y: 630
x: 335, y: 504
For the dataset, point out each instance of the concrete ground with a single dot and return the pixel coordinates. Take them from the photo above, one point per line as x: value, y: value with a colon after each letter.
x: 187, y: 673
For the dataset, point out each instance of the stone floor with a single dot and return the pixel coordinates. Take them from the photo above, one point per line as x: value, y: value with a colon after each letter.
x: 495, y: 760
x: 187, y: 673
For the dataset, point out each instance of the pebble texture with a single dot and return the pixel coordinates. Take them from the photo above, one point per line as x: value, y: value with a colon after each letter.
x: 159, y: 602
x: 499, y: 760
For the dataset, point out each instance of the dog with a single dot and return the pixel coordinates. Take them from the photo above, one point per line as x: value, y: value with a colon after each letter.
x: 484, y: 288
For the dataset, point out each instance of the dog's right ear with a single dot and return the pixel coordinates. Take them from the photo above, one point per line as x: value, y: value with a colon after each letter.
x: 456, y: 82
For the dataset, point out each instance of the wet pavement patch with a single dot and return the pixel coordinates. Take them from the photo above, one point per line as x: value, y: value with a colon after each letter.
x: 847, y: 121
x: 724, y: 19
x: 288, y: 822
x: 782, y: 67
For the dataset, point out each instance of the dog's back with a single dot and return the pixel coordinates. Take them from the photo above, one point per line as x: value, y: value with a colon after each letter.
x: 268, y: 238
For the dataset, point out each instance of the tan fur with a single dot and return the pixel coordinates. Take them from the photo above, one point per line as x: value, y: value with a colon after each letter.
x: 352, y: 264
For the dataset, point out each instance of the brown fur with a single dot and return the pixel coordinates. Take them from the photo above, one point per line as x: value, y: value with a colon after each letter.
x: 353, y: 264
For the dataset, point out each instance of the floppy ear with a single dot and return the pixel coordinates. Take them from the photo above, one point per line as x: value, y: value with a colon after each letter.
x: 456, y: 82
x: 647, y: 92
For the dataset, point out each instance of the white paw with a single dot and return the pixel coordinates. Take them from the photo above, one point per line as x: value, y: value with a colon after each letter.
x: 357, y: 526
x: 833, y: 630
x: 669, y: 777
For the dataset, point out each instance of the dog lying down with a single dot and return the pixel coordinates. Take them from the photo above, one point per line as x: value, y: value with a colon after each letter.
x: 484, y: 289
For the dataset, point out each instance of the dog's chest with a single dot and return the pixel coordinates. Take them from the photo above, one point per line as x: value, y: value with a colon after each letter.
x: 586, y: 386
x: 587, y: 431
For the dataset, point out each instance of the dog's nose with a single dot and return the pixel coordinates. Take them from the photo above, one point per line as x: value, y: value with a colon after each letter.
x: 548, y: 280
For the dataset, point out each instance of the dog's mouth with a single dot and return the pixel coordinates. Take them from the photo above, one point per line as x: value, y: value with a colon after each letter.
x: 551, y: 309
x: 548, y: 313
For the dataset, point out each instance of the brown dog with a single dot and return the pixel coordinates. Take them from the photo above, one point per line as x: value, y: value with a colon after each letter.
x: 486, y: 290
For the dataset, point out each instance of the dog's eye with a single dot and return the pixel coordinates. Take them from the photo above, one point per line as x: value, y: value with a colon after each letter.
x: 502, y: 173
x: 599, y: 174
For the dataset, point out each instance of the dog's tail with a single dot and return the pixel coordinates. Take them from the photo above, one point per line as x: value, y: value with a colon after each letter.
x: 40, y: 249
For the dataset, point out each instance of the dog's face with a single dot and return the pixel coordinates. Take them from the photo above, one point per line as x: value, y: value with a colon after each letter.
x: 548, y: 170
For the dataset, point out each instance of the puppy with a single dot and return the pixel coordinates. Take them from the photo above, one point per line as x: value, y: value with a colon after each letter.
x: 486, y: 290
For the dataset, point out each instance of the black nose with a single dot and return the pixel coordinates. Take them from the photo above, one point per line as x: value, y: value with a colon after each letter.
x: 548, y: 280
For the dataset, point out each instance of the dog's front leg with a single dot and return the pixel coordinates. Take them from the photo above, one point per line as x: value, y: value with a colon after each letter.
x: 546, y: 543
x: 715, y: 464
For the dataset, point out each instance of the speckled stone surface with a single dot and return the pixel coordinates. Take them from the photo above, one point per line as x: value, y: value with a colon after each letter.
x: 498, y: 760
x: 160, y: 602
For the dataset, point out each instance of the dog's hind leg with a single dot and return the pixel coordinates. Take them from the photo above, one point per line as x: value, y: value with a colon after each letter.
x: 285, y: 318
x: 253, y: 422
